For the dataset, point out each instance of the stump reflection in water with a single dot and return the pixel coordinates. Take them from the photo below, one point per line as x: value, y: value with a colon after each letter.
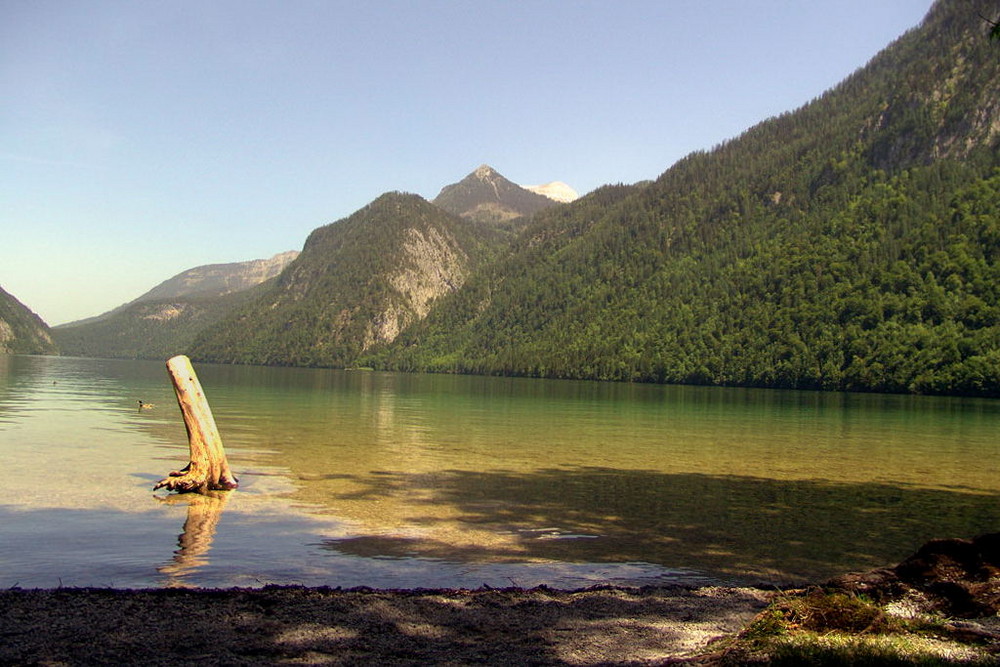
x: 203, y: 513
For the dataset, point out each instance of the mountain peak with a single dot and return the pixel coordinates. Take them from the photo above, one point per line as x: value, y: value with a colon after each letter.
x: 485, y: 196
x: 484, y: 172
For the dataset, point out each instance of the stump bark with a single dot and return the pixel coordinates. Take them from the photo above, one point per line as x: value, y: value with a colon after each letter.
x: 208, y: 468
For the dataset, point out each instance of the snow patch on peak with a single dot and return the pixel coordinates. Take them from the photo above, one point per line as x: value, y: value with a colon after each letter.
x: 556, y: 190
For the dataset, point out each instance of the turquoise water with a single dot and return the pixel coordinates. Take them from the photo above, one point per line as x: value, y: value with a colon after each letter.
x: 395, y: 480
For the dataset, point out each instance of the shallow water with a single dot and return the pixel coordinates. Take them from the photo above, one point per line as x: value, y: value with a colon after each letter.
x: 394, y: 480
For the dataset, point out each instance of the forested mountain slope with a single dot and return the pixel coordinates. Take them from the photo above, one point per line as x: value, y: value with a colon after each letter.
x: 147, y: 329
x: 21, y: 330
x: 851, y: 244
x: 165, y: 320
x: 357, y: 282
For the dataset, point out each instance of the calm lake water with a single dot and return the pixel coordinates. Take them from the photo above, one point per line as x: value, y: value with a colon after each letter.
x: 395, y: 480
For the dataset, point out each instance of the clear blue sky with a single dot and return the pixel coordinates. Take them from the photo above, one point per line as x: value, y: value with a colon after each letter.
x: 140, y: 138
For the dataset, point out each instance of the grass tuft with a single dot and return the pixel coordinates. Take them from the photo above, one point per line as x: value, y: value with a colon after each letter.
x: 818, y: 627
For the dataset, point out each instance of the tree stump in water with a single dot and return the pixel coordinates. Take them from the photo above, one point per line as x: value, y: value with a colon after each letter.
x: 208, y: 468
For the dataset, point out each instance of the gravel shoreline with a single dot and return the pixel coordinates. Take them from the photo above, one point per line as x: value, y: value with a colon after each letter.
x: 296, y: 625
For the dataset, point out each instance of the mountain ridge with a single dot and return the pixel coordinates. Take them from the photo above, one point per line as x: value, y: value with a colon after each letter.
x: 207, y: 280
x: 220, y: 279
x: 164, y: 320
x: 170, y: 317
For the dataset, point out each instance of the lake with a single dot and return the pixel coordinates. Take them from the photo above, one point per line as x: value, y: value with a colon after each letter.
x: 354, y: 478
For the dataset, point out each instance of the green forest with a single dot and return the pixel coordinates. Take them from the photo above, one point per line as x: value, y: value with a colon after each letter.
x: 894, y: 291
x: 849, y: 245
x: 154, y: 329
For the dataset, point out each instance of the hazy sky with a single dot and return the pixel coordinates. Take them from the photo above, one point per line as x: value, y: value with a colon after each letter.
x: 141, y: 138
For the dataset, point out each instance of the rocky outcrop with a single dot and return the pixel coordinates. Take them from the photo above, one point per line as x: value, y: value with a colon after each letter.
x: 432, y: 264
x: 219, y: 279
x: 959, y: 578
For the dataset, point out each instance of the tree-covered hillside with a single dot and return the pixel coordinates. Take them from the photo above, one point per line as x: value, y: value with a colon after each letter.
x: 357, y: 282
x: 851, y: 244
x: 165, y: 320
x: 21, y: 330
x: 147, y: 329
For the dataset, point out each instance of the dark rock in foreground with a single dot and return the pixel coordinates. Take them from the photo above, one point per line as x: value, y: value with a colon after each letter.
x: 954, y: 577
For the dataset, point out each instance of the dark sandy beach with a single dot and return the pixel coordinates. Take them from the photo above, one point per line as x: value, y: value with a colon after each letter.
x: 956, y: 581
x: 278, y: 625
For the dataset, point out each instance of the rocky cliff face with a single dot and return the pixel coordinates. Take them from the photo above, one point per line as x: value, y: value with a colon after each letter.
x: 21, y: 330
x: 943, y: 105
x: 432, y: 264
x: 219, y: 279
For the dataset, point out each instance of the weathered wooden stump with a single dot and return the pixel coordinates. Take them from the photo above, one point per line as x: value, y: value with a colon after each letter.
x: 208, y: 468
